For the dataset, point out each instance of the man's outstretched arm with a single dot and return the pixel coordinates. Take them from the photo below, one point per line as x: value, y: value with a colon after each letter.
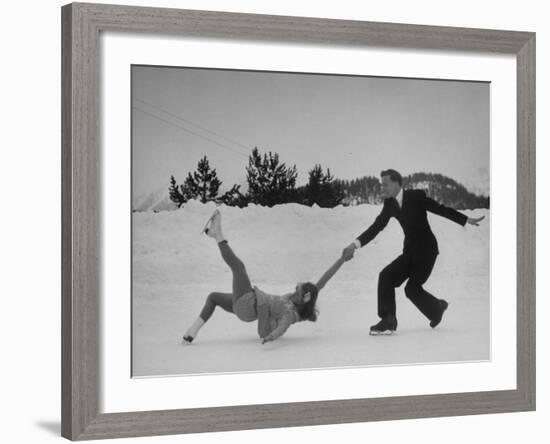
x: 370, y: 233
x: 377, y: 226
x: 435, y: 207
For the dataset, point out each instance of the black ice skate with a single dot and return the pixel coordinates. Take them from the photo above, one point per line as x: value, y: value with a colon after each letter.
x: 386, y: 326
x: 443, y: 306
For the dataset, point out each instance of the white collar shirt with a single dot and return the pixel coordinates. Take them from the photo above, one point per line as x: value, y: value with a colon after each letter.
x: 399, y: 198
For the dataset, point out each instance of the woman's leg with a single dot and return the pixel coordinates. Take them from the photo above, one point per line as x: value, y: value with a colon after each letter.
x: 241, y: 281
x: 223, y: 300
x: 241, y: 286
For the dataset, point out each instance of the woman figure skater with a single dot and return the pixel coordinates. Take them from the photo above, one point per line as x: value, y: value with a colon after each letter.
x: 273, y: 313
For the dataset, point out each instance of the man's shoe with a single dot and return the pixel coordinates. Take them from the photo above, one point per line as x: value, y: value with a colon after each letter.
x: 443, y: 305
x: 386, y: 326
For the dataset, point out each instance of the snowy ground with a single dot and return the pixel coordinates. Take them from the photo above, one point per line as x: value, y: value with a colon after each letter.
x: 175, y: 268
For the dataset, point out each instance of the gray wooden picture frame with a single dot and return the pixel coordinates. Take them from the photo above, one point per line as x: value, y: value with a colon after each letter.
x: 81, y: 168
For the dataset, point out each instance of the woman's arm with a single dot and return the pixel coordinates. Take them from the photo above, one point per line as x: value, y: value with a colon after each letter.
x: 283, y: 325
x: 330, y: 272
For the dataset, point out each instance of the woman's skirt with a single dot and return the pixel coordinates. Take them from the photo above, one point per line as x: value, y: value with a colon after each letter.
x: 246, y: 307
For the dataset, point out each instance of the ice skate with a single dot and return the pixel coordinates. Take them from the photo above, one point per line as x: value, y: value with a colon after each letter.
x: 192, y: 331
x: 213, y: 227
x: 386, y: 326
x: 187, y: 340
x: 443, y: 305
x: 209, y: 223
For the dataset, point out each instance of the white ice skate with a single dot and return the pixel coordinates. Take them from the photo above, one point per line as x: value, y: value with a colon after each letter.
x: 192, y: 331
x: 186, y: 340
x: 213, y: 227
x: 210, y: 223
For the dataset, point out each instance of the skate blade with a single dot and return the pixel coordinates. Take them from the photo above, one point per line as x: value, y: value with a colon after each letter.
x: 382, y: 333
x: 207, y: 225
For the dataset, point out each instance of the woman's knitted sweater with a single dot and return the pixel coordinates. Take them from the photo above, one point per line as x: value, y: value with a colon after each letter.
x: 275, y: 314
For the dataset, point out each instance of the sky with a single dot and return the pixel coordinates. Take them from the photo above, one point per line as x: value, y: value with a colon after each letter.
x: 354, y: 125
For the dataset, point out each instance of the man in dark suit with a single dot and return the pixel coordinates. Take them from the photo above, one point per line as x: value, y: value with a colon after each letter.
x: 420, y: 251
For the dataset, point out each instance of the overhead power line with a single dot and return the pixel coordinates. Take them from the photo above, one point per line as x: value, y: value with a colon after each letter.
x: 174, y: 116
x: 189, y: 131
x: 221, y: 136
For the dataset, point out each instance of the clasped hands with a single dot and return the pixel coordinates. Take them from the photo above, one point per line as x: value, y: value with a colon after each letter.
x: 348, y: 252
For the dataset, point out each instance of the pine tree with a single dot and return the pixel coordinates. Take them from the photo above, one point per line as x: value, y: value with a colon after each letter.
x: 233, y: 197
x: 175, y: 195
x: 270, y: 182
x: 313, y: 187
x: 362, y: 190
x: 322, y: 189
x: 203, y: 184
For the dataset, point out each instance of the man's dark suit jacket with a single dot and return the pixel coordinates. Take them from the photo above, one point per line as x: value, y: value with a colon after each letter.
x: 419, y: 238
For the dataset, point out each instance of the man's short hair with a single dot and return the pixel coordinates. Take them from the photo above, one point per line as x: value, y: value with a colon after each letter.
x: 394, y: 176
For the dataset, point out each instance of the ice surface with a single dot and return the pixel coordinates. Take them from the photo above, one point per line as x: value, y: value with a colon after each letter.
x: 175, y: 268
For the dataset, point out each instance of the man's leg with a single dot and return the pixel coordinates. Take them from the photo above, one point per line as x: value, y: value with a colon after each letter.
x: 427, y: 303
x: 392, y: 276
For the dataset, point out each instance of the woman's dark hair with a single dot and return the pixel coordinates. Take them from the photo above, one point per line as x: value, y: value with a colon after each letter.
x: 308, y: 310
x: 394, y: 176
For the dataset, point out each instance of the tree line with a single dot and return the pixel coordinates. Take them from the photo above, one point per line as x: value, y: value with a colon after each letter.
x: 272, y: 182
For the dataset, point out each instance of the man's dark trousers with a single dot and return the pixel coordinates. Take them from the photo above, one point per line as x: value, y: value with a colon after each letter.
x: 417, y: 270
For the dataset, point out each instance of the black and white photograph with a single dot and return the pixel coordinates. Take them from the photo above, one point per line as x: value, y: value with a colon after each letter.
x: 288, y: 221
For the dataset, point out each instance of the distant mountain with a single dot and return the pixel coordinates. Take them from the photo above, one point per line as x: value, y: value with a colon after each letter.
x: 479, y: 183
x: 446, y: 191
x: 437, y: 186
x: 158, y: 200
